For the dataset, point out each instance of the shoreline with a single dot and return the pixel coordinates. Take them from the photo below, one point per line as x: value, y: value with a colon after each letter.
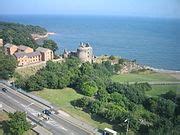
x: 173, y: 73
x: 38, y: 37
x: 159, y: 70
x: 162, y: 70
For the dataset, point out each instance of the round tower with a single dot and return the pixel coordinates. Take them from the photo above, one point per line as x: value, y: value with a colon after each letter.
x: 85, y: 52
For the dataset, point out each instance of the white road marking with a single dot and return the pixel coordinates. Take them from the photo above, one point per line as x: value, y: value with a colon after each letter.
x: 55, y: 124
x: 23, y: 105
x: 30, y: 104
x: 63, y: 128
x: 63, y: 113
x: 13, y: 99
x: 32, y: 111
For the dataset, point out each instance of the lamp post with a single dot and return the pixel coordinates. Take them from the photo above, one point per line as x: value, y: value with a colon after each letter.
x: 127, y: 127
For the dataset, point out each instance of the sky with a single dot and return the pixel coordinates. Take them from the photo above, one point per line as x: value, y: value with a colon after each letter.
x: 145, y: 8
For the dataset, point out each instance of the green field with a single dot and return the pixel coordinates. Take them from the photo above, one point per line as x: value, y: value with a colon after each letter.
x: 162, y: 89
x: 62, y: 98
x: 149, y: 77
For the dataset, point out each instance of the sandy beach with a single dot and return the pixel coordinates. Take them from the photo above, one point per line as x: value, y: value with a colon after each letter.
x: 175, y: 74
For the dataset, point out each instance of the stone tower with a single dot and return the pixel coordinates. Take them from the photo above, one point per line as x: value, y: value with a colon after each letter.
x: 85, y: 52
x: 1, y: 42
x: 65, y: 54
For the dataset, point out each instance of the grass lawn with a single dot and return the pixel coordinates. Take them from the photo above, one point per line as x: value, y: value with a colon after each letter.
x: 62, y: 98
x: 162, y: 89
x: 141, y: 77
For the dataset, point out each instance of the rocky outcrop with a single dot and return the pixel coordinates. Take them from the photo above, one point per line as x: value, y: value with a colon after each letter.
x: 130, y: 66
x: 37, y: 36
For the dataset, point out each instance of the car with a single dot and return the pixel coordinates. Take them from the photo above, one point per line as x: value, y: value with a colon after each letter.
x: 47, y: 112
x: 43, y: 116
x: 4, y: 89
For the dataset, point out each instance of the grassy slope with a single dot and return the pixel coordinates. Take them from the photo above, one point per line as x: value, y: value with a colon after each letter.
x: 162, y: 89
x: 62, y: 98
x: 151, y: 77
x: 28, y: 71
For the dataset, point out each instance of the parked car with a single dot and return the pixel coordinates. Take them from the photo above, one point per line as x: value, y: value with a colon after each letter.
x: 47, y: 112
x: 4, y: 89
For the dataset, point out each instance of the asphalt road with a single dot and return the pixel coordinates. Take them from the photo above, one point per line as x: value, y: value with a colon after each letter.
x: 55, y: 124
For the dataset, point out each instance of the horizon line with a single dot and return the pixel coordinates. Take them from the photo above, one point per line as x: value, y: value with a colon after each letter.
x: 107, y: 15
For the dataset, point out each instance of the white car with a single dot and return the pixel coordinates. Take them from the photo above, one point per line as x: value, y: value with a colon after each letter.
x: 43, y: 116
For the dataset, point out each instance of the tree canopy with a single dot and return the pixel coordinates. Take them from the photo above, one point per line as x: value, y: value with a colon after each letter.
x: 50, y: 44
x: 20, y: 34
x: 17, y: 124
x: 7, y: 65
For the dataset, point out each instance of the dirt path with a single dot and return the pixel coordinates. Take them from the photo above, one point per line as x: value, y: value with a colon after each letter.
x: 175, y: 75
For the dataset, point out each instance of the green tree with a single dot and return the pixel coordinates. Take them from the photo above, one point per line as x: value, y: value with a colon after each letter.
x: 7, y: 65
x: 117, y: 67
x: 82, y: 102
x: 88, y: 88
x: 102, y: 95
x: 162, y: 126
x: 121, y: 61
x: 112, y: 57
x: 114, y: 113
x: 86, y: 69
x: 20, y: 34
x: 96, y: 107
x: 17, y: 124
x: 52, y: 79
x: 35, y: 82
x: 108, y: 66
x: 171, y: 95
x: 161, y: 106
x: 50, y: 44
x: 118, y: 99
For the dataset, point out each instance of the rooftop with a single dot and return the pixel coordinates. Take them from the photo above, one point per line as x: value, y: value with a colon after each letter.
x: 41, y: 49
x: 19, y: 54
x: 9, y: 45
x: 22, y: 47
x: 22, y: 54
x: 110, y: 130
x: 84, y: 45
x: 36, y: 53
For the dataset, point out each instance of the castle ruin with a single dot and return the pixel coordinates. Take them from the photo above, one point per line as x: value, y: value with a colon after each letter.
x: 84, y: 53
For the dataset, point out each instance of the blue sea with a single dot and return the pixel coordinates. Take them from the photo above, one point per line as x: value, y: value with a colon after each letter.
x: 154, y: 42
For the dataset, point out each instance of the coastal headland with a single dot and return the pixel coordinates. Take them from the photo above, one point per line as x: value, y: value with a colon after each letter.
x: 100, y: 91
x: 38, y: 36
